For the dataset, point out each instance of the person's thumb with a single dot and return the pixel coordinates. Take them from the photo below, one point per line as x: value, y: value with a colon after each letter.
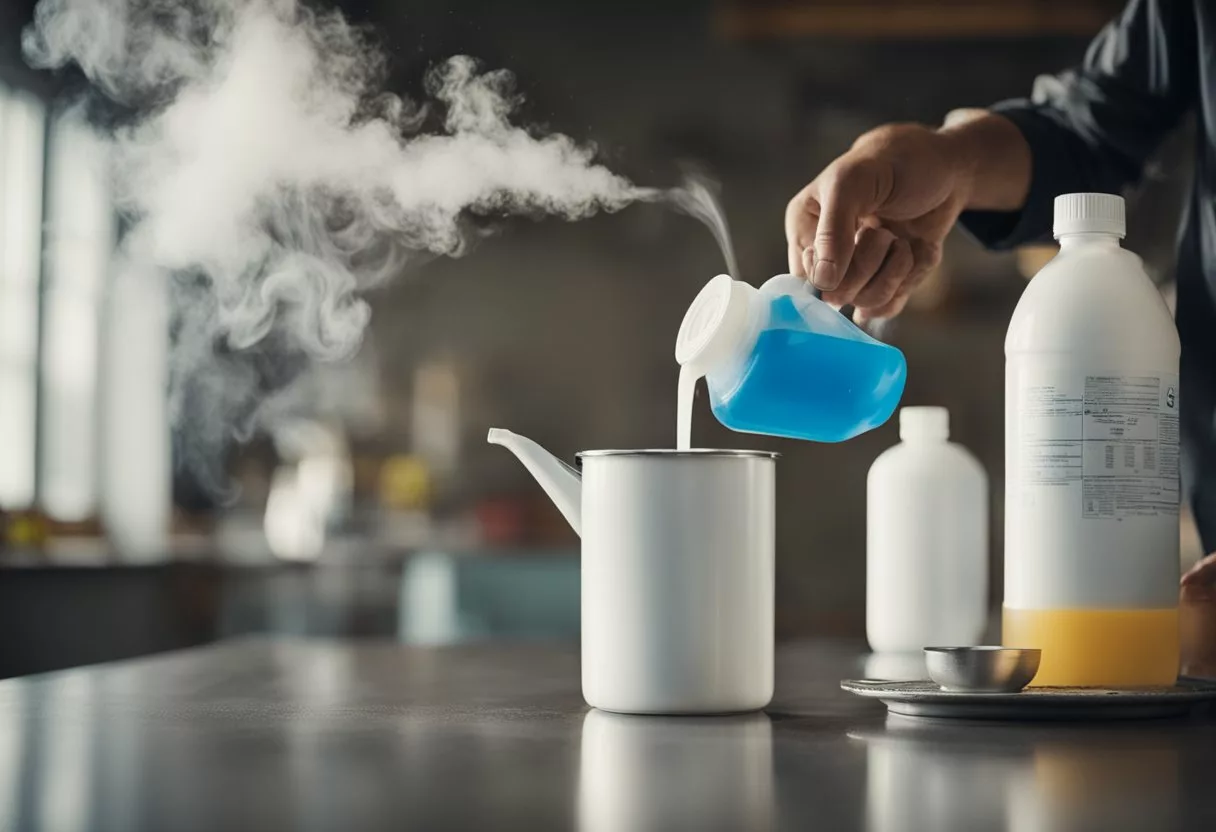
x: 847, y: 196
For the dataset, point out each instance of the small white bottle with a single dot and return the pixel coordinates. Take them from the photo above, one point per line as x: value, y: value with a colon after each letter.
x: 926, y: 539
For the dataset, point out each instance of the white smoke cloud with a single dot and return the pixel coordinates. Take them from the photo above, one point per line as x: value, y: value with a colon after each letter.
x: 267, y: 167
x: 271, y: 163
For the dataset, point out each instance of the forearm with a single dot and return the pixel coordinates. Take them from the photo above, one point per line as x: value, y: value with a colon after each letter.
x: 994, y: 158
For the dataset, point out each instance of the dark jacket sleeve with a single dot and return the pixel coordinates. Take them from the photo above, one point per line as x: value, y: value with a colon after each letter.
x: 1093, y: 128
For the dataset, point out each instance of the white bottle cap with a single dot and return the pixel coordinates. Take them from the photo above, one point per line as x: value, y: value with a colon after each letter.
x: 715, y: 322
x: 1089, y: 213
x: 924, y: 423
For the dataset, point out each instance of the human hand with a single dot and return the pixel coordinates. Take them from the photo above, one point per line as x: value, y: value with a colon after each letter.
x: 870, y: 227
x: 1197, y: 611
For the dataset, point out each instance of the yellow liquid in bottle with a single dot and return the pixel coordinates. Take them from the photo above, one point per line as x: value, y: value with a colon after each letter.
x: 1098, y: 648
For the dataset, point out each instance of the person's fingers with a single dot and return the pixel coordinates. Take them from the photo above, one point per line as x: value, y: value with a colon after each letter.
x: 801, y: 221
x: 1197, y: 633
x: 870, y: 250
x: 808, y: 261
x: 889, y: 278
x: 1202, y: 573
x: 847, y: 192
x: 926, y: 256
x: 1197, y: 593
x: 794, y: 256
x: 891, y: 309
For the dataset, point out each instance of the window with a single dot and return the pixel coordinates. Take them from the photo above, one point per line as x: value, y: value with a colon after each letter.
x: 79, y: 236
x: 22, y: 140
x: 55, y: 252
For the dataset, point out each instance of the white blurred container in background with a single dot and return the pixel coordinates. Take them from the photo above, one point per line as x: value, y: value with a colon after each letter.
x: 926, y: 539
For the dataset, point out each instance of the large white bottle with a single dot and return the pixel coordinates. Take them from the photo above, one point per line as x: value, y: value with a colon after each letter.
x: 926, y: 539
x: 1091, y: 455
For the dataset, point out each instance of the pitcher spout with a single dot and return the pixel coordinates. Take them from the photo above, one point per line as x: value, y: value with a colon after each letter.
x: 562, y: 483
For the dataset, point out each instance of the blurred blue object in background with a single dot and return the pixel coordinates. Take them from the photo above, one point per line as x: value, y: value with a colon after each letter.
x: 449, y: 599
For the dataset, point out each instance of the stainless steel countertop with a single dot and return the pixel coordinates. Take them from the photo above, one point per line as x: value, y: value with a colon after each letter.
x: 294, y: 734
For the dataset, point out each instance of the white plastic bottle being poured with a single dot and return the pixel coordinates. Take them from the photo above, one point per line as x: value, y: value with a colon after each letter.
x: 780, y: 362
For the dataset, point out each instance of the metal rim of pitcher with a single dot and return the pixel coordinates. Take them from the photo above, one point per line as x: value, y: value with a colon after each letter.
x: 689, y: 452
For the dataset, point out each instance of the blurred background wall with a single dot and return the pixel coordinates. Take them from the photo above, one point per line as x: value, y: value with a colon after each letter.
x: 562, y: 332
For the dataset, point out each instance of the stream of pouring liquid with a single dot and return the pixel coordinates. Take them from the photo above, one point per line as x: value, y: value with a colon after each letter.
x: 685, y: 391
x: 695, y: 197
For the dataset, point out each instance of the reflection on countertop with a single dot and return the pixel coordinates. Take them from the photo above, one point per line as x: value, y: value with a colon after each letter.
x: 332, y: 734
x: 645, y: 773
x: 929, y: 774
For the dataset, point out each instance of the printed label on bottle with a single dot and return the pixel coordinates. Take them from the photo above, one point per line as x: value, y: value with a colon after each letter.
x: 1113, y: 438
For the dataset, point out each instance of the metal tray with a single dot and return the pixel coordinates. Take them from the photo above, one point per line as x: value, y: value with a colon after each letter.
x: 928, y: 700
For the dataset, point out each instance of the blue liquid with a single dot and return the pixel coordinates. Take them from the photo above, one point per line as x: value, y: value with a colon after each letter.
x: 808, y: 385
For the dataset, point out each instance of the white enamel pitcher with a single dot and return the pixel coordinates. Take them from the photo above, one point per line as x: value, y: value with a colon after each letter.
x: 677, y: 574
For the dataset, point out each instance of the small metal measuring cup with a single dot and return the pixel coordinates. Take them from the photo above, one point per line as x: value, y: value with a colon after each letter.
x: 982, y: 669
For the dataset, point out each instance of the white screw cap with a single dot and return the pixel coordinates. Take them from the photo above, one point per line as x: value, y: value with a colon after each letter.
x: 714, y: 323
x: 1089, y: 213
x: 924, y: 423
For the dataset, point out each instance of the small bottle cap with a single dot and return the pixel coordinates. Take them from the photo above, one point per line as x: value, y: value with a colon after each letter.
x: 714, y: 323
x: 924, y: 423
x: 1089, y: 213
